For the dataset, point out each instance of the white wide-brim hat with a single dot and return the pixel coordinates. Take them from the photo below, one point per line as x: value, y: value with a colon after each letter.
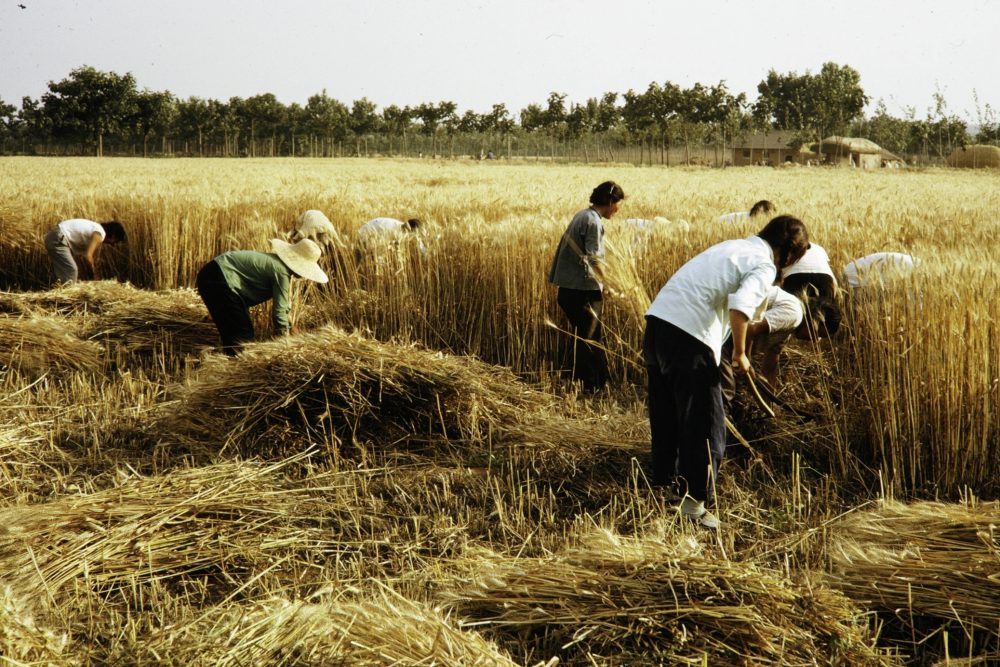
x: 301, y: 258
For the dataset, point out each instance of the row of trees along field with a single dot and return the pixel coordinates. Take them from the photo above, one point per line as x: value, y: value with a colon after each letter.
x: 91, y: 112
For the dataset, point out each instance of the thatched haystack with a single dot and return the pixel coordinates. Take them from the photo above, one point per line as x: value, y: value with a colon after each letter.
x: 923, y: 565
x: 332, y: 384
x: 659, y: 600
x: 978, y: 156
x: 381, y: 629
x: 36, y: 345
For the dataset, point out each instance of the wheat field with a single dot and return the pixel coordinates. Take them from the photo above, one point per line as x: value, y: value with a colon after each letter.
x: 410, y: 479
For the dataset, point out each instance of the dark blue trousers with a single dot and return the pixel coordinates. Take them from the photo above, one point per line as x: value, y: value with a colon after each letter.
x: 687, y: 421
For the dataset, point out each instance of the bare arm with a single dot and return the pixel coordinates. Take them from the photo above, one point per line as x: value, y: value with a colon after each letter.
x: 740, y: 323
x: 89, y: 255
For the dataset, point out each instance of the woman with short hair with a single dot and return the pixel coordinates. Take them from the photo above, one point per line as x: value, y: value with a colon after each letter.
x: 577, y: 270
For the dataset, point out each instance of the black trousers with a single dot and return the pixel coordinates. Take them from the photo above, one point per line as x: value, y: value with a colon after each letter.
x: 230, y: 314
x: 590, y: 362
x: 687, y: 421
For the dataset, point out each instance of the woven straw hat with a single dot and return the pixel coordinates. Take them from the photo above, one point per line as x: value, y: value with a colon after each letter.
x: 301, y: 258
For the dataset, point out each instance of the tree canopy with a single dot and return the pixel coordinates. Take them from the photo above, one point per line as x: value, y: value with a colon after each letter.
x: 89, y: 108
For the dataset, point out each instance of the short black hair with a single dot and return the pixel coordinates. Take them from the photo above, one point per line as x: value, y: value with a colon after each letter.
x: 763, y: 206
x: 413, y: 223
x: 114, y: 230
x: 606, y: 193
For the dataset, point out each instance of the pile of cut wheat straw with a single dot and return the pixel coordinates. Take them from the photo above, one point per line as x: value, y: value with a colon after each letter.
x: 35, y: 345
x: 329, y: 384
x: 923, y: 561
x: 659, y: 600
x: 380, y: 628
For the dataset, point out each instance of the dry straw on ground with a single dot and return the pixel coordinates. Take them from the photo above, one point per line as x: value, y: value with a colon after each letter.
x: 36, y: 345
x: 924, y: 563
x: 651, y: 599
x: 140, y: 322
x: 332, y: 386
x: 379, y: 629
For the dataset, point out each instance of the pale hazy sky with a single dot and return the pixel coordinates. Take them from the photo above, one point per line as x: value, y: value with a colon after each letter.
x: 477, y: 53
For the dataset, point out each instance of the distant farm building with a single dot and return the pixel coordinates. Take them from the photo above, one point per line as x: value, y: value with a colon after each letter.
x: 975, y: 157
x: 854, y: 152
x: 771, y: 148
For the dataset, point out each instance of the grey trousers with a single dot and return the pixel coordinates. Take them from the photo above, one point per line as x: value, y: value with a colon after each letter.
x: 63, y: 262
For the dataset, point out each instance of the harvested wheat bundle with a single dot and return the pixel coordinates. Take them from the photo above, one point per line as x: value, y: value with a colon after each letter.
x: 659, y: 600
x: 920, y: 562
x: 221, y: 521
x: 74, y: 298
x: 37, y: 345
x: 172, y: 321
x: 376, y: 630
x: 331, y: 382
x: 220, y: 525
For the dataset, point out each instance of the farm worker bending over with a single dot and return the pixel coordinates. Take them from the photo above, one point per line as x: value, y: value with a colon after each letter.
x: 388, y: 231
x: 577, y: 270
x: 315, y: 226
x: 715, y: 293
x: 760, y: 209
x: 878, y: 268
x: 234, y: 281
x: 811, y: 275
x: 782, y: 318
x: 80, y: 238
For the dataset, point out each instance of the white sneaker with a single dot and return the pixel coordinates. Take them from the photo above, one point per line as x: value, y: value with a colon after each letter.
x: 694, y: 510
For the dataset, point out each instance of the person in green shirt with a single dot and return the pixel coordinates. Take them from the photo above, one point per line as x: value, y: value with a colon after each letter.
x: 234, y: 281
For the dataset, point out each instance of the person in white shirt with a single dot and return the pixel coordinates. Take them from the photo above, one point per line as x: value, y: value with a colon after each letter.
x: 784, y: 316
x: 760, y: 209
x: 717, y: 292
x: 388, y: 231
x: 811, y: 275
x: 315, y: 226
x: 80, y: 238
x: 878, y: 269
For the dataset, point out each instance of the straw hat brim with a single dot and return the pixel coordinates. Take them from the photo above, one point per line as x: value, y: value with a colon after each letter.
x: 291, y: 255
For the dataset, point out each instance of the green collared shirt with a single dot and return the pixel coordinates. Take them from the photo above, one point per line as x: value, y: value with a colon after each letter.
x: 257, y: 277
